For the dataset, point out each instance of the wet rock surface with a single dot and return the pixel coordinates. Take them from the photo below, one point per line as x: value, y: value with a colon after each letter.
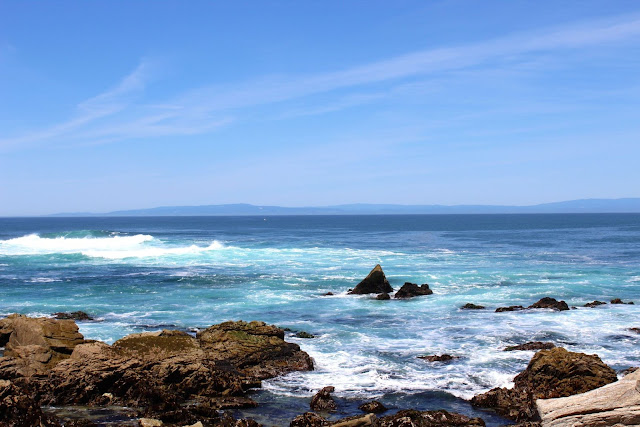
x: 471, y: 306
x: 322, y: 400
x: 18, y: 408
x: 619, y: 301
x: 372, y: 407
x: 510, y: 308
x: 410, y: 290
x: 439, y: 358
x: 375, y: 283
x: 551, y: 303
x: 594, y: 304
x: 550, y: 373
x: 405, y: 418
x: 534, y: 345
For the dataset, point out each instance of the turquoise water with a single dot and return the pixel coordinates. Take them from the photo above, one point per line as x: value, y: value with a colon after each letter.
x: 188, y: 272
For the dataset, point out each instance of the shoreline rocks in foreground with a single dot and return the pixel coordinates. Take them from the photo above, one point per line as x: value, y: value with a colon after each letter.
x: 550, y: 374
x: 168, y: 375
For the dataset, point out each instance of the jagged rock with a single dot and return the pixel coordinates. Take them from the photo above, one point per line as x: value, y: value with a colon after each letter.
x: 535, y: 345
x: 552, y: 303
x: 619, y: 301
x: 614, y: 404
x: 439, y: 358
x: 594, y: 304
x: 383, y: 297
x: 309, y: 419
x: 471, y: 306
x: 372, y: 407
x: 550, y: 373
x: 75, y: 315
x: 375, y: 283
x: 441, y: 418
x: 17, y: 408
x: 410, y: 290
x: 322, y: 401
x: 303, y: 334
x: 510, y: 308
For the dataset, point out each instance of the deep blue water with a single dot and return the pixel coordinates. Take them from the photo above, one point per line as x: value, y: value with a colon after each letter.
x: 186, y: 272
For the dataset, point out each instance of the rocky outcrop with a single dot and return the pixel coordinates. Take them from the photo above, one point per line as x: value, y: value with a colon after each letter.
x: 594, y: 304
x: 374, y: 407
x: 157, y: 372
x: 619, y: 301
x: 550, y: 373
x: 534, y: 345
x: 410, y: 290
x: 375, y: 283
x: 439, y: 358
x: 322, y: 401
x: 551, y: 303
x: 614, y: 404
x: 406, y: 418
x: 510, y: 308
x: 471, y: 306
x: 75, y: 315
x: 18, y: 408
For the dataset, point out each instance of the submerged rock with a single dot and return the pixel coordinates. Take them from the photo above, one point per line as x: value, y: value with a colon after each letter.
x: 439, y: 358
x: 410, y: 290
x: 471, y: 306
x: 383, y: 297
x: 322, y: 401
x: 510, y: 308
x: 594, y: 304
x: 550, y: 373
x: 614, y: 404
x: 374, y: 407
x: 534, y: 345
x: 76, y: 315
x: 375, y: 283
x: 551, y: 303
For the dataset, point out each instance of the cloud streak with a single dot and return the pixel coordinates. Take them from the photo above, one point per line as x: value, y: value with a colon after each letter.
x: 117, y: 113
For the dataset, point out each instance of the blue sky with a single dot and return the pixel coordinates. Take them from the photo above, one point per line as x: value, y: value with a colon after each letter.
x: 108, y: 105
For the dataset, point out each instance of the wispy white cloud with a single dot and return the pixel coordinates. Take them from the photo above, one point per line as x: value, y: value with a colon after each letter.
x: 116, y: 114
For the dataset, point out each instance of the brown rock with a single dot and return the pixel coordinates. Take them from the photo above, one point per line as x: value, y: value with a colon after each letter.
x: 322, y: 401
x: 309, y: 419
x: 410, y: 290
x: 439, y: 358
x: 535, y: 345
x: 17, y: 408
x: 383, y: 297
x: 471, y: 306
x: 441, y: 418
x: 375, y: 283
x: 619, y: 301
x: 594, y: 304
x: 75, y: 315
x: 372, y: 407
x: 510, y: 308
x: 551, y: 303
x: 550, y: 373
x: 357, y: 421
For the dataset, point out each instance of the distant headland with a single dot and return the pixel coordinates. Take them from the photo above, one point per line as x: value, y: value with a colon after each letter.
x: 626, y: 205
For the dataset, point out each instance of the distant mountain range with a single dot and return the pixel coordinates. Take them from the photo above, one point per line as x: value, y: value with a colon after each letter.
x: 628, y: 205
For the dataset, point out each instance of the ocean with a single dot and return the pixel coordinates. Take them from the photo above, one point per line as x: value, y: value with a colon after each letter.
x: 141, y: 274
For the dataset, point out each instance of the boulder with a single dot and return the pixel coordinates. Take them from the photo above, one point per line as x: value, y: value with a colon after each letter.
x: 410, y: 290
x: 309, y: 419
x: 383, y: 297
x: 551, y: 303
x: 322, y: 401
x: 471, y: 306
x: 374, y: 407
x: 510, y: 308
x: 75, y: 315
x: 439, y: 358
x: 550, y: 373
x: 619, y: 301
x: 357, y: 421
x: 613, y: 404
x: 375, y: 283
x: 535, y: 345
x: 303, y: 334
x: 441, y: 418
x: 594, y: 304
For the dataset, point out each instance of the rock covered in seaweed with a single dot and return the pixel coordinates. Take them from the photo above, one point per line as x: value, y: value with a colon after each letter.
x: 375, y: 283
x: 410, y: 290
x: 374, y: 407
x: 322, y: 400
x: 534, y: 345
x: 550, y: 373
x: 74, y: 315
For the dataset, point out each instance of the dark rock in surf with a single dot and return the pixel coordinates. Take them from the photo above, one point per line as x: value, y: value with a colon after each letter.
x: 551, y: 303
x: 374, y: 407
x: 375, y: 283
x: 550, y: 373
x: 636, y: 330
x: 410, y: 290
x: 328, y: 294
x: 439, y: 358
x: 535, y: 345
x: 510, y: 308
x: 471, y: 306
x: 303, y: 334
x: 383, y: 297
x: 322, y: 401
x: 594, y: 304
x: 619, y: 301
x: 75, y: 315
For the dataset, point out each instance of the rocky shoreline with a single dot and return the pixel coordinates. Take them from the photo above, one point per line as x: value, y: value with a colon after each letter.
x: 174, y: 378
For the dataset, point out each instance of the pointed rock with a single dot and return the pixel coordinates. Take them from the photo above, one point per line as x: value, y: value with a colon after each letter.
x: 375, y: 283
